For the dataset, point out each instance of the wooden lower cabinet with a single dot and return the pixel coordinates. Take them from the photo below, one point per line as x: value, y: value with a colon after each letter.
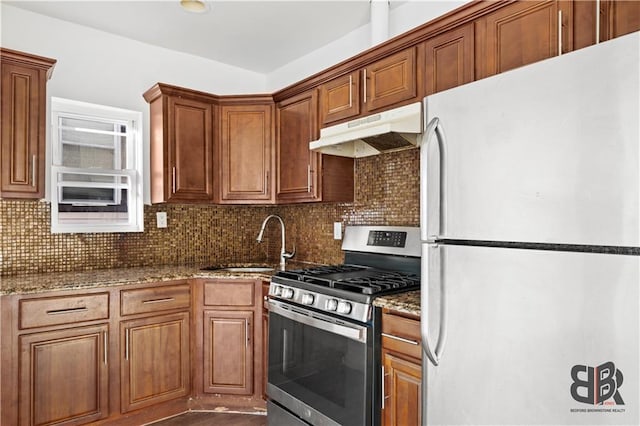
x: 155, y: 363
x: 228, y: 356
x: 64, y: 376
x: 403, y: 391
x: 231, y: 341
x: 402, y: 370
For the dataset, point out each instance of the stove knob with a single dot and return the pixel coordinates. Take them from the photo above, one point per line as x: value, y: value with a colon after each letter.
x: 344, y: 307
x: 307, y: 299
x: 287, y: 293
x: 331, y: 305
x: 277, y: 291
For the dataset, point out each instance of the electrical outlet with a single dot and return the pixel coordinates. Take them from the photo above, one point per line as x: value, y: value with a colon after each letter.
x: 161, y: 219
x: 337, y: 230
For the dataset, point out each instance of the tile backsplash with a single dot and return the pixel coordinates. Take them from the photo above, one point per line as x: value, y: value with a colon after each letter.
x: 387, y: 192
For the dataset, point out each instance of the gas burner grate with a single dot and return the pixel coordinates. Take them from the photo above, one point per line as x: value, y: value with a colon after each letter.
x: 355, y: 279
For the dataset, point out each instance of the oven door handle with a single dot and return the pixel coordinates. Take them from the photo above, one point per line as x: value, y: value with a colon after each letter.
x: 322, y: 322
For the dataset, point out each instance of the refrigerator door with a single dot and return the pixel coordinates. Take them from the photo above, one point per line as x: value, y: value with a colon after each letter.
x: 533, y: 337
x: 547, y: 153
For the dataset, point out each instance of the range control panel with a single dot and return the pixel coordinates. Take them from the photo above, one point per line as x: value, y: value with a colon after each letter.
x: 387, y: 238
x: 394, y: 240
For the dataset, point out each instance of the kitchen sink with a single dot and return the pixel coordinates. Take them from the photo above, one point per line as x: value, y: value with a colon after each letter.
x: 248, y: 269
x: 240, y: 269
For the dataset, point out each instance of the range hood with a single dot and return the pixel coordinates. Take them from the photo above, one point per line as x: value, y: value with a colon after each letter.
x: 391, y: 130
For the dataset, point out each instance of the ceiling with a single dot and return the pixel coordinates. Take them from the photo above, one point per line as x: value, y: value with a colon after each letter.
x: 260, y: 36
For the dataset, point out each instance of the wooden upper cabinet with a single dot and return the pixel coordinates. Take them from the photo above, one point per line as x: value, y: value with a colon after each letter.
x: 182, y: 129
x: 449, y: 59
x: 340, y: 98
x: 618, y: 18
x: 304, y: 175
x: 384, y: 84
x: 390, y: 81
x: 245, y: 155
x: 522, y: 33
x: 297, y: 166
x: 23, y: 123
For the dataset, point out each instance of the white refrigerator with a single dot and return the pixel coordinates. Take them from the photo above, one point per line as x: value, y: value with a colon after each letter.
x: 530, y: 227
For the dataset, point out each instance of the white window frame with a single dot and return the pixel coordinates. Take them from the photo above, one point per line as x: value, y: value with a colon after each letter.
x: 125, y: 176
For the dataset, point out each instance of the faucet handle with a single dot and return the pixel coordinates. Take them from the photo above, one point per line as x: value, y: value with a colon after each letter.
x: 289, y: 255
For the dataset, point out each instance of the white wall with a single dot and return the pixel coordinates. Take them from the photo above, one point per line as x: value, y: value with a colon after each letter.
x: 403, y: 18
x: 94, y: 66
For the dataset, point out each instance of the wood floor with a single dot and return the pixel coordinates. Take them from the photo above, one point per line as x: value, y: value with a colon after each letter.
x: 198, y: 418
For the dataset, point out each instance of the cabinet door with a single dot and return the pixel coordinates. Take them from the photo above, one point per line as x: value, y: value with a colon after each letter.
x: 340, y: 98
x: 619, y: 17
x: 521, y: 33
x: 190, y: 145
x: 403, y: 394
x: 64, y: 377
x: 228, y: 352
x: 390, y: 81
x: 23, y: 132
x: 155, y: 360
x: 298, y: 167
x: 246, y: 154
x: 449, y: 59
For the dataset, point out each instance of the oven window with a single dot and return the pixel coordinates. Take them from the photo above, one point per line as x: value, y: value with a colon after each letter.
x: 324, y: 370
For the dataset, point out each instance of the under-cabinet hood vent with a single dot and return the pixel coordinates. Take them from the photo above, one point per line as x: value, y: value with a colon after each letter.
x: 391, y: 130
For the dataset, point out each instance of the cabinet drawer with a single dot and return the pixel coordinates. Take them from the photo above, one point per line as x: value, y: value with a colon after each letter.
x: 402, y: 335
x: 144, y: 300
x: 47, y: 311
x: 229, y: 293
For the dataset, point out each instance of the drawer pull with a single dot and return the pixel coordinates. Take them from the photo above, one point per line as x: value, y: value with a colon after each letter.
x: 67, y: 311
x: 401, y: 339
x: 166, y: 299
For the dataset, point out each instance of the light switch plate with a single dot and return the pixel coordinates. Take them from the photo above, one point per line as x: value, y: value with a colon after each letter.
x: 337, y: 230
x: 161, y: 219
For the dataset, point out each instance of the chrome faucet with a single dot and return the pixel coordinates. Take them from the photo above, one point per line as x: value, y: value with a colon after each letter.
x: 283, y: 254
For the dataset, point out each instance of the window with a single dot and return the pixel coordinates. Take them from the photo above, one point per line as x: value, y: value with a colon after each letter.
x: 96, y: 183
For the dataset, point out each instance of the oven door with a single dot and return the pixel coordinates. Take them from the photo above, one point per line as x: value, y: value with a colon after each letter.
x: 320, y: 367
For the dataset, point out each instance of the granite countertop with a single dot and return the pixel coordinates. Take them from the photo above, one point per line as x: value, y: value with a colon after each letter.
x: 408, y: 303
x: 38, y: 283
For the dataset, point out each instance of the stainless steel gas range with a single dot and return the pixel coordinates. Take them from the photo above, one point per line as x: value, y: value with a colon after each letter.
x: 324, y: 331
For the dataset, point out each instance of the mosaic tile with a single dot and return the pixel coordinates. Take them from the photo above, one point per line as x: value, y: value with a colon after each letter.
x: 386, y: 192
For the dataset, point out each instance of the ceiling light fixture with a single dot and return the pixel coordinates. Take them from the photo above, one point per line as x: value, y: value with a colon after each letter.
x: 194, y: 6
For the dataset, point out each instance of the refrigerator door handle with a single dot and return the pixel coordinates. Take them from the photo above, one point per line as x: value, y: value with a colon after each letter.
x: 435, y: 276
x: 430, y: 231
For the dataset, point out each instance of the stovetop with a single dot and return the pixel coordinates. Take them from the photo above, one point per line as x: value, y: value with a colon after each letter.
x: 354, y: 278
x: 378, y: 261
